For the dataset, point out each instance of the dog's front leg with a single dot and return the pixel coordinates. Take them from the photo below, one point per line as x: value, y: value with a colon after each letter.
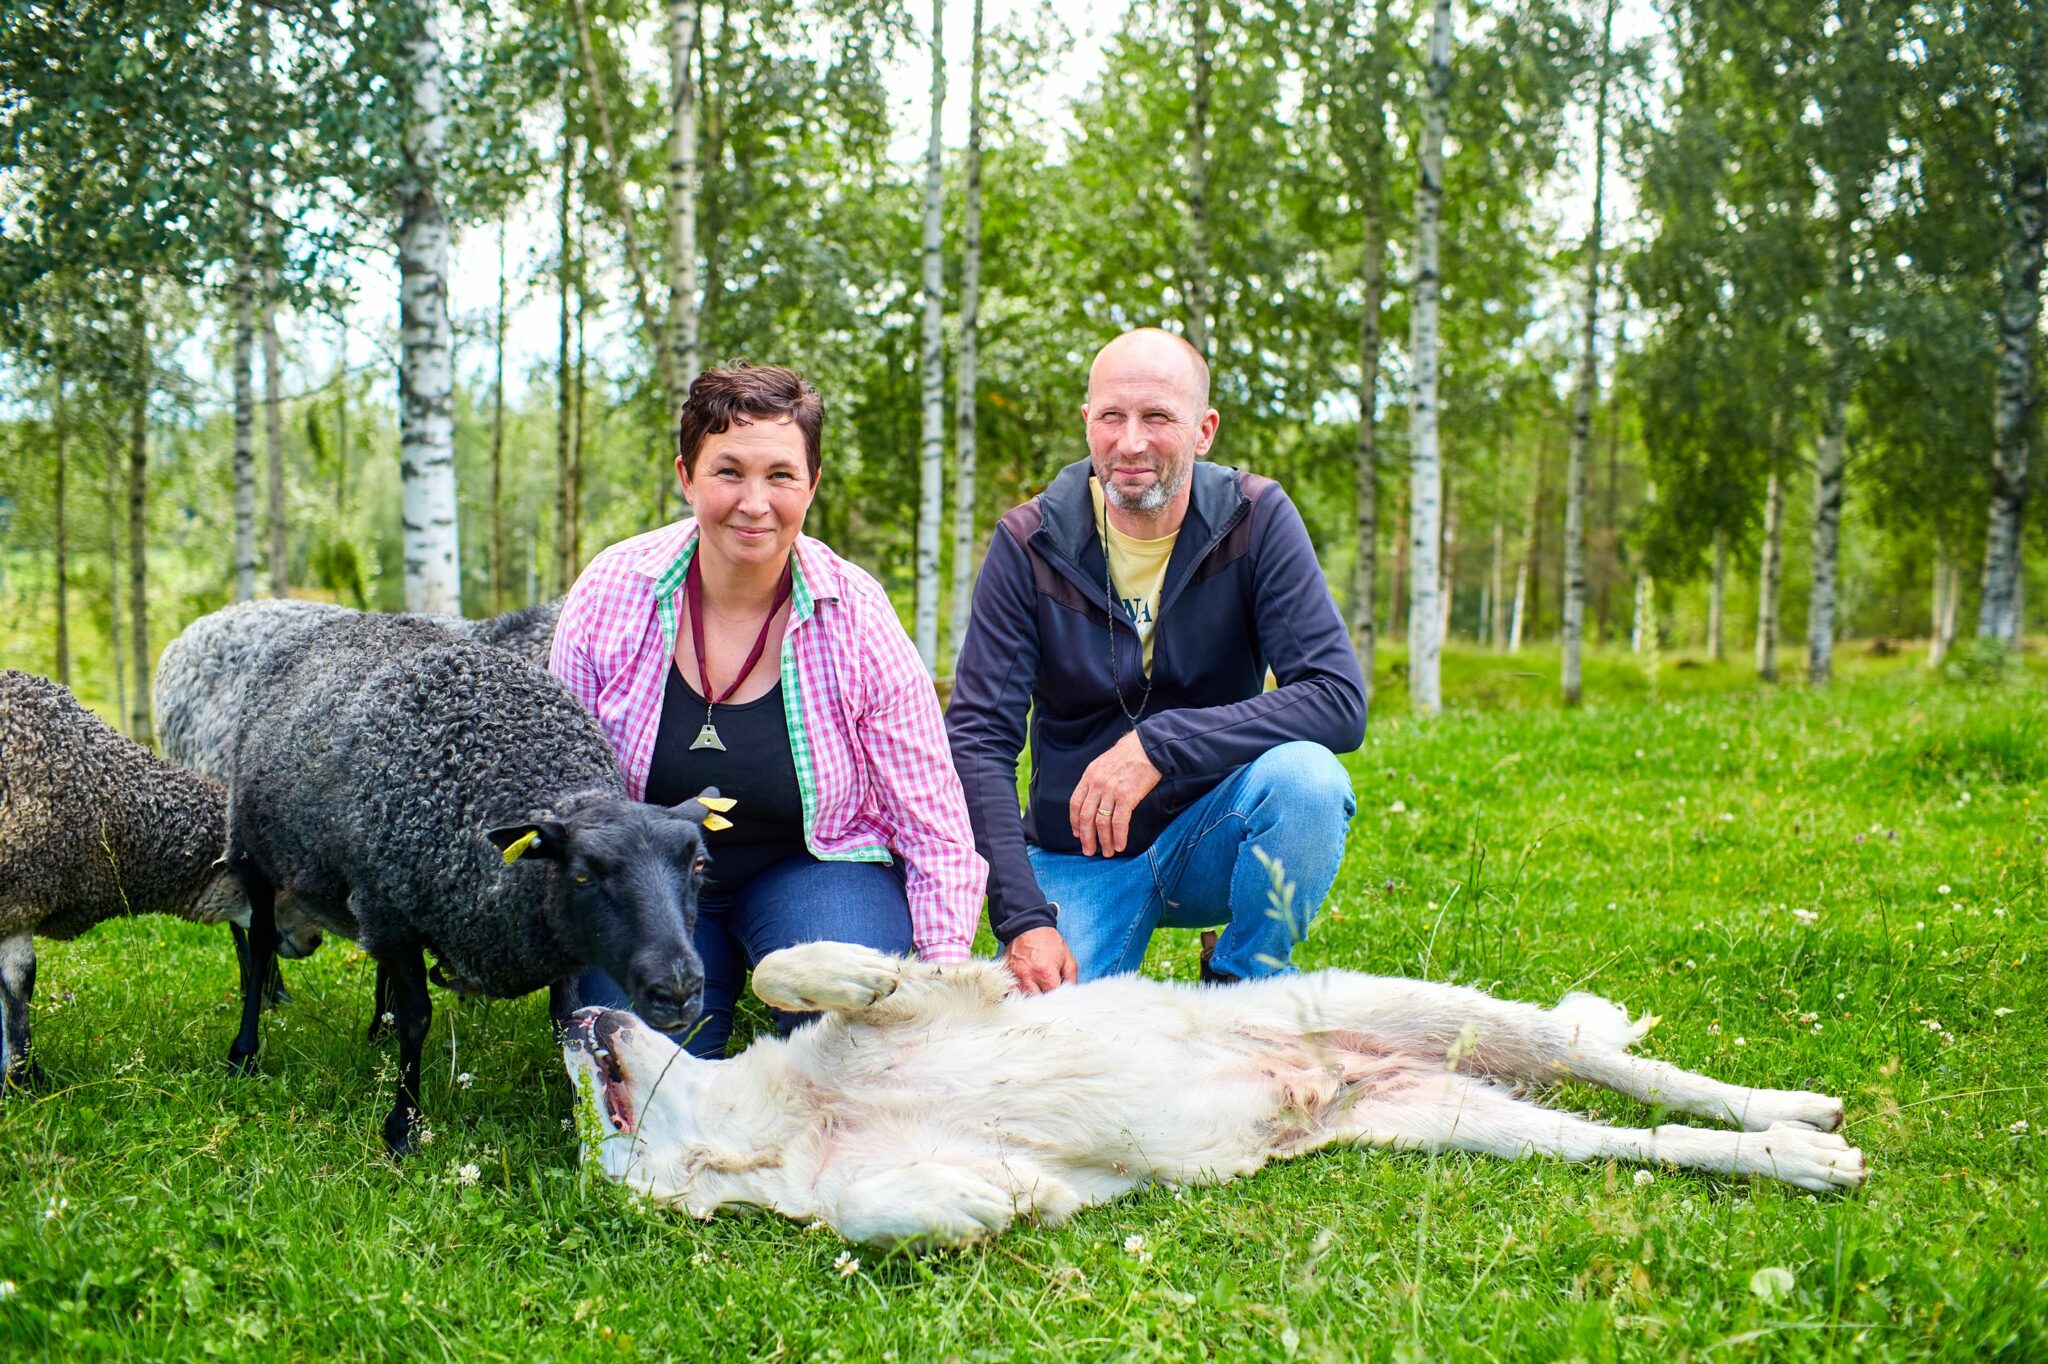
x: 845, y: 978
x: 924, y: 1203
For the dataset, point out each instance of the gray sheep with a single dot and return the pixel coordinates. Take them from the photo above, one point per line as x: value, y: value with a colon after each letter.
x: 202, y: 683
x: 420, y: 792
x: 92, y: 826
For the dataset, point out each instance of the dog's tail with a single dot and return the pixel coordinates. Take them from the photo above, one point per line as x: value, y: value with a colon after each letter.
x: 1601, y: 1023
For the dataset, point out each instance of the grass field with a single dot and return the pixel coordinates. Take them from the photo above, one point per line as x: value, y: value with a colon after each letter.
x: 1839, y: 891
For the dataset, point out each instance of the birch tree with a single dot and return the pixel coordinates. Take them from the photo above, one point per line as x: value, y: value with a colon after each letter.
x: 59, y: 430
x: 1199, y: 269
x: 1425, y: 617
x: 140, y: 375
x: 426, y: 370
x: 1770, y: 577
x: 2019, y: 325
x: 683, y: 20
x: 932, y: 462
x: 964, y: 538
x: 273, y: 434
x: 1574, y: 615
x: 244, y: 458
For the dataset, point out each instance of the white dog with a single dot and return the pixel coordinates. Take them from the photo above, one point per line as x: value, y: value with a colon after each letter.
x: 932, y: 1105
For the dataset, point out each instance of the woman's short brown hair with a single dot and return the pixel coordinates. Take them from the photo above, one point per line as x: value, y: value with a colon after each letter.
x: 743, y: 392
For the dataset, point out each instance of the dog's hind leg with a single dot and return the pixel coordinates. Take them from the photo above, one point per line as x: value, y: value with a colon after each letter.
x: 845, y: 978
x: 1445, y: 1111
x: 1597, y: 1056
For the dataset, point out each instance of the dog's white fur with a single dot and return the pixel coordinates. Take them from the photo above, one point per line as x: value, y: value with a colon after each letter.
x: 932, y: 1105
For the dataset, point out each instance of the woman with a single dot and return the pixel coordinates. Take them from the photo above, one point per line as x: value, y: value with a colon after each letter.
x: 731, y: 650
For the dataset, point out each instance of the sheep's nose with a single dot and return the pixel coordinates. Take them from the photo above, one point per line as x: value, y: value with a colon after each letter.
x: 669, y: 1004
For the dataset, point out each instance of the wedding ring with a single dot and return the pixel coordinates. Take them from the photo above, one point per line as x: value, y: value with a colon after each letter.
x: 1104, y: 811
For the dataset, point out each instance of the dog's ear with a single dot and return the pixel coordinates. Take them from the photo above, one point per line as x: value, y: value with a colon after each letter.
x: 707, y: 808
x: 531, y: 838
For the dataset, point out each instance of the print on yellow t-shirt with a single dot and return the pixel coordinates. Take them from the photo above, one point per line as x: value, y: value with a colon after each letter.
x: 1138, y: 568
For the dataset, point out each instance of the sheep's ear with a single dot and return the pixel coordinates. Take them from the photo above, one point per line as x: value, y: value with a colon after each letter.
x: 535, y: 838
x: 708, y: 808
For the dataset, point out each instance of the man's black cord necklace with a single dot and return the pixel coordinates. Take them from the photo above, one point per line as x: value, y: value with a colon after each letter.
x: 1109, y: 593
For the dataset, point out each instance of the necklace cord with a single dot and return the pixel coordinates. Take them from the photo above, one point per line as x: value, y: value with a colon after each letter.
x: 1109, y: 594
x: 693, y: 594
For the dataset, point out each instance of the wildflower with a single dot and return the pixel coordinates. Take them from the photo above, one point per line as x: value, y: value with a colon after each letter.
x: 1713, y: 1029
x: 56, y: 1208
x: 1998, y: 913
x: 1963, y: 799
x: 1742, y: 1041
x: 1948, y: 1039
x: 426, y: 1135
x: 1771, y: 1283
x: 848, y: 1264
x: 465, y: 1079
x: 1691, y: 965
x: 468, y: 1174
x: 1644, y: 1179
x: 1398, y: 808
x: 2018, y: 1129
x: 1806, y: 916
x: 1816, y: 1027
x: 1808, y: 1017
x: 699, y: 1258
x: 1941, y: 890
x: 1639, y: 753
x: 1930, y: 1024
x: 2000, y: 1012
x: 387, y: 1018
x: 1134, y: 1244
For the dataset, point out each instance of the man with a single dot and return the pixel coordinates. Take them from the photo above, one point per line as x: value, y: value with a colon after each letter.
x: 1161, y: 767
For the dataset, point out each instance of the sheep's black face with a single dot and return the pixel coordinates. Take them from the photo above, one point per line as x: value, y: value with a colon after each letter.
x: 632, y: 873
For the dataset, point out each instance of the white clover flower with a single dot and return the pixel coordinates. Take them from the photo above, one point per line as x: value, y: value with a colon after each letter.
x: 1644, y: 1179
x: 465, y: 1079
x: 1998, y: 913
x: 2018, y: 1129
x: 1691, y: 965
x: 1806, y: 916
x: 1816, y: 1027
x: 1742, y: 1041
x: 1941, y: 890
x: 468, y: 1174
x: 1134, y: 1244
x: 699, y: 1258
x: 1399, y: 807
x: 426, y: 1135
x: 1948, y: 1039
x: 848, y: 1264
x: 387, y: 1018
x: 1713, y: 1029
x: 1930, y: 1024
x: 1808, y: 1017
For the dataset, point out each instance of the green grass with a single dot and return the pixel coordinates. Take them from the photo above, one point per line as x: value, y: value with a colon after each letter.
x: 1660, y: 850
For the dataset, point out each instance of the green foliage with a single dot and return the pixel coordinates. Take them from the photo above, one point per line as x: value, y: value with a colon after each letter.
x: 1661, y: 851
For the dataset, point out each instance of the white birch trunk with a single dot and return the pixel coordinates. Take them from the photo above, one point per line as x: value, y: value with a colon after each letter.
x: 1447, y: 585
x: 2019, y: 329
x: 1198, y: 181
x: 245, y: 430
x: 565, y: 409
x: 1951, y: 600
x: 1496, y: 629
x: 1576, y: 480
x: 1830, y: 460
x: 498, y: 439
x: 1425, y: 618
x: 1717, y: 601
x: 965, y: 379
x: 273, y: 436
x: 58, y: 431
x: 139, y: 727
x: 932, y: 463
x: 683, y: 20
x: 1944, y: 587
x: 426, y: 368
x: 114, y: 655
x: 1770, y: 577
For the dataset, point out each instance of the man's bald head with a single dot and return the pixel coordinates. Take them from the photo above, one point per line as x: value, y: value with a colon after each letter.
x: 1157, y: 354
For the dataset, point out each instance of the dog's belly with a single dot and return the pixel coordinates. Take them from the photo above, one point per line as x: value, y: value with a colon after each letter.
x: 1102, y: 1103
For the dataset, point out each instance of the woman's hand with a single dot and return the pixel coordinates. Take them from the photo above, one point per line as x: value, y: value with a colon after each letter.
x: 1040, y: 961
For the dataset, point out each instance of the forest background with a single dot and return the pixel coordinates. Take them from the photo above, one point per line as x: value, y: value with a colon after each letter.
x: 1707, y: 325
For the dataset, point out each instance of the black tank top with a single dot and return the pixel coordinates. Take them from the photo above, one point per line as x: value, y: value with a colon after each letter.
x: 756, y: 770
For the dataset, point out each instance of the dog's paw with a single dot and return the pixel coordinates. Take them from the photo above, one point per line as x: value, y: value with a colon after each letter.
x: 1765, y: 1109
x: 1799, y: 1155
x: 927, y: 1205
x: 835, y: 976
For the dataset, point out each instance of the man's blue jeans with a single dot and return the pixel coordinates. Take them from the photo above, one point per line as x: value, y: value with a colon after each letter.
x: 1293, y: 804
x: 795, y: 901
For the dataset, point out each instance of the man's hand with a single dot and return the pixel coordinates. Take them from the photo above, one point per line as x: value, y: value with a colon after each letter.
x: 1100, y: 811
x: 1040, y: 961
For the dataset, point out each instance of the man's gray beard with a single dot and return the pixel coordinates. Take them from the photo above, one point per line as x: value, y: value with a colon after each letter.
x: 1153, y: 499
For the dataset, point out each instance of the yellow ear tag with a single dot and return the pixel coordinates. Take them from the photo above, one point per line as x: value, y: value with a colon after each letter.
x: 722, y: 804
x: 514, y: 851
x: 713, y: 823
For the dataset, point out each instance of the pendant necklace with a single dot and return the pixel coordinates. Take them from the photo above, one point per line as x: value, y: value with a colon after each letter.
x: 693, y: 593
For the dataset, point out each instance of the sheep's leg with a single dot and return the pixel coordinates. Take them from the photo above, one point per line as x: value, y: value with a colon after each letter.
x: 414, y: 1010
x: 845, y: 978
x: 256, y: 963
x: 17, y: 987
x: 924, y: 1203
x: 380, y: 1006
x: 274, y: 993
x: 1446, y: 1111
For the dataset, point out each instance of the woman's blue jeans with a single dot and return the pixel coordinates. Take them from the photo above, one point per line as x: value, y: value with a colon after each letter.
x: 1293, y: 803
x: 797, y: 901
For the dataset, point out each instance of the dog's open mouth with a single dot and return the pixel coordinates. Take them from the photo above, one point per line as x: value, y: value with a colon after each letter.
x: 595, y: 1032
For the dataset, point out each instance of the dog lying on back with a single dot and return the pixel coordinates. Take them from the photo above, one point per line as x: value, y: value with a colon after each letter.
x: 930, y: 1105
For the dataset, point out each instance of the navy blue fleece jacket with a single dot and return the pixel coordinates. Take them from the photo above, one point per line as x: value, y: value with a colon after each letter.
x: 1243, y: 593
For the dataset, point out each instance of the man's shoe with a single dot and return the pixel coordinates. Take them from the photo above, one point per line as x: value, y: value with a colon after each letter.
x: 1211, y: 976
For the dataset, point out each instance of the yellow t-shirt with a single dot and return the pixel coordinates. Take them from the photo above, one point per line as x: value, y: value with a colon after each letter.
x: 1138, y: 567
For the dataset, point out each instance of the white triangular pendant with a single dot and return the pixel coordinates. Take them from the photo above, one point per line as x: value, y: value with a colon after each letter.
x: 707, y: 737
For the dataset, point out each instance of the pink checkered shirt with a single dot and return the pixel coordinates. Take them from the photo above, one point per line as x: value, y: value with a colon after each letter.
x: 871, y: 757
